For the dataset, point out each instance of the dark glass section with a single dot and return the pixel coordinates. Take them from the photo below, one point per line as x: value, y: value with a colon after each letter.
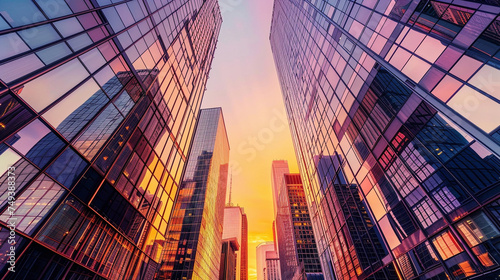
x: 118, y: 211
x: 67, y: 168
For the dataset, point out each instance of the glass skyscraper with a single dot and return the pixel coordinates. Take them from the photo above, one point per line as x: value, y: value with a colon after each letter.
x: 235, y: 226
x: 393, y: 109
x: 194, y: 239
x: 98, y: 106
x: 298, y: 255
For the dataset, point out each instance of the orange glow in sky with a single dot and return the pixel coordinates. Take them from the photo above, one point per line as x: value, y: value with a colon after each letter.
x: 243, y: 81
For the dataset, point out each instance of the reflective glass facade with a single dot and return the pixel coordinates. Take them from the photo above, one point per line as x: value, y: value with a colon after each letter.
x: 297, y: 246
x: 194, y: 238
x: 393, y: 109
x: 261, y: 251
x: 235, y: 226
x: 98, y: 106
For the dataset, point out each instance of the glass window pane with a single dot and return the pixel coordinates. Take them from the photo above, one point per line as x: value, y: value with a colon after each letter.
x: 68, y: 26
x: 44, y: 90
x: 446, y: 245
x: 20, y: 12
x: 3, y: 24
x: 54, y: 53
x: 79, y: 42
x: 124, y: 103
x: 475, y: 107
x: 19, y: 67
x: 446, y: 88
x: 486, y: 79
x: 12, y: 115
x: 430, y: 49
x: 465, y: 67
x: 93, y: 60
x: 416, y: 68
x: 477, y: 228
x: 7, y: 159
x: 11, y: 44
x: 38, y: 36
x: 54, y: 8
x: 389, y: 234
x: 5, y: 246
x: 114, y: 19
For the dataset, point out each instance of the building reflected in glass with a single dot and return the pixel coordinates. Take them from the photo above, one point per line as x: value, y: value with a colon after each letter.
x: 392, y: 108
x: 98, y: 106
x: 194, y: 238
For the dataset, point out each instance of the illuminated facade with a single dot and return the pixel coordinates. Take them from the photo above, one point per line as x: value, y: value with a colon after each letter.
x: 98, y: 106
x: 297, y: 246
x: 278, y: 169
x: 235, y: 226
x: 244, y: 249
x: 261, y: 252
x: 194, y: 237
x: 393, y: 109
x: 272, y: 266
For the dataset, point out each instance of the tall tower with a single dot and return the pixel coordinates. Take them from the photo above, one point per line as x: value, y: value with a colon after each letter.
x: 244, y: 248
x: 194, y: 238
x: 98, y: 105
x: 278, y: 168
x: 393, y: 108
x: 261, y: 254
x: 298, y: 255
x: 235, y: 226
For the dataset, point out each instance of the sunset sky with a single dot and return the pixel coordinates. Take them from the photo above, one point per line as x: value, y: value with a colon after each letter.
x: 243, y: 81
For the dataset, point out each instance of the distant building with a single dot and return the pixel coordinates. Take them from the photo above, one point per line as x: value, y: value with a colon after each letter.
x: 278, y: 169
x: 297, y: 245
x: 244, y: 249
x: 272, y: 266
x: 194, y: 239
x: 228, y: 261
x: 262, y: 250
x: 235, y: 226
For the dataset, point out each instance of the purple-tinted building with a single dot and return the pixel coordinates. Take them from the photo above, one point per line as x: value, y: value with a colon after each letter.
x: 393, y: 108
